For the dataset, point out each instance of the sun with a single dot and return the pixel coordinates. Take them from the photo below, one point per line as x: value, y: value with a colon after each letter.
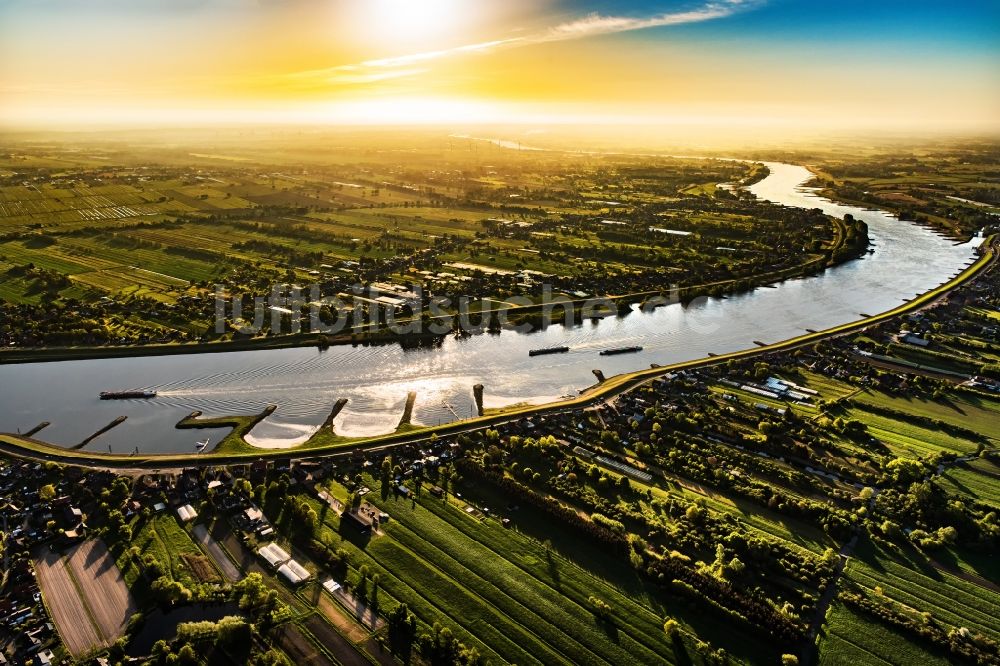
x: 414, y: 21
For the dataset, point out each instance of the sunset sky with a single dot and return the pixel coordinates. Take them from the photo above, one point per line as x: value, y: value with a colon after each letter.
x: 842, y: 65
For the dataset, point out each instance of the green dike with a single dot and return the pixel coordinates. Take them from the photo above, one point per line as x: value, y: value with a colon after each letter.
x: 38, y: 450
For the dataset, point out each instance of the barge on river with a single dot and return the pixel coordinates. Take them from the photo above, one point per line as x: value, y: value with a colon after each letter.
x: 548, y: 350
x: 127, y: 395
x: 621, y: 350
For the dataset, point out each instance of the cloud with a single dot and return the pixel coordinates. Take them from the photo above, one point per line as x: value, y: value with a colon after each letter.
x: 599, y: 24
x: 591, y: 25
x: 400, y: 61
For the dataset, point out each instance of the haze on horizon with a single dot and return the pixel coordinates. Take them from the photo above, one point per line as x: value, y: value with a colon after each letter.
x: 777, y: 66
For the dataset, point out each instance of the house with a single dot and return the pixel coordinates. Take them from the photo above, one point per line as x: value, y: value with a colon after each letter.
x: 358, y: 520
x: 186, y: 513
x: 72, y: 515
x: 913, y: 339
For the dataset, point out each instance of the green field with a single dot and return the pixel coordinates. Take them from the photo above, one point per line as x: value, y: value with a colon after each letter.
x: 516, y: 598
x: 910, y: 440
x: 910, y: 579
x: 163, y: 537
x: 978, y: 479
x: 852, y: 639
x: 980, y: 414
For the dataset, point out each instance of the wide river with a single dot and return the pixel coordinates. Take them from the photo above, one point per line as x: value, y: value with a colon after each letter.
x: 306, y: 382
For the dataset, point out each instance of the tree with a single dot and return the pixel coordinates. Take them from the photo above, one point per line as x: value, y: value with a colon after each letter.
x: 694, y: 513
x: 386, y: 472
x: 47, y: 493
x: 402, y: 626
x: 789, y: 660
x: 187, y: 655
x: 270, y: 658
x: 234, y: 631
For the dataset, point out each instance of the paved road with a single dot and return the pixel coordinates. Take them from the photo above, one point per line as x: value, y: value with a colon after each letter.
x: 217, y: 554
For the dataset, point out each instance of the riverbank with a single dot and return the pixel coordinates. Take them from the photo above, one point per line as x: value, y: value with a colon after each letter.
x: 941, y: 228
x: 24, y: 447
x: 838, y: 252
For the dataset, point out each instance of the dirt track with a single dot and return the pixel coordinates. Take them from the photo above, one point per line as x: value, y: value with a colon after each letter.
x: 98, y: 617
x: 213, y: 548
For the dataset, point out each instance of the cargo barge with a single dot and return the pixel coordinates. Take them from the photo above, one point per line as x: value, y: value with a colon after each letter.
x: 621, y: 350
x: 548, y: 350
x: 127, y: 395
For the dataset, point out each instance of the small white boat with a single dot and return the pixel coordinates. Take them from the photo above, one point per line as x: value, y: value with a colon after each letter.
x: 201, y: 445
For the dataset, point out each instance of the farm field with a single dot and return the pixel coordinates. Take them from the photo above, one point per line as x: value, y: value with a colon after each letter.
x: 162, y: 537
x: 87, y: 595
x: 976, y: 413
x: 481, y: 575
x: 978, y: 479
x: 910, y: 579
x: 132, y: 250
x: 909, y: 439
x: 217, y: 553
x: 851, y: 639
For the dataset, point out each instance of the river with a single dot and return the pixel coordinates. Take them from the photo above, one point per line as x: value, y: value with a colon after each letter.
x: 306, y: 382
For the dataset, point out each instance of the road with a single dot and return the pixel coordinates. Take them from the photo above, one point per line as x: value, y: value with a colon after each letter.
x: 218, y: 555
